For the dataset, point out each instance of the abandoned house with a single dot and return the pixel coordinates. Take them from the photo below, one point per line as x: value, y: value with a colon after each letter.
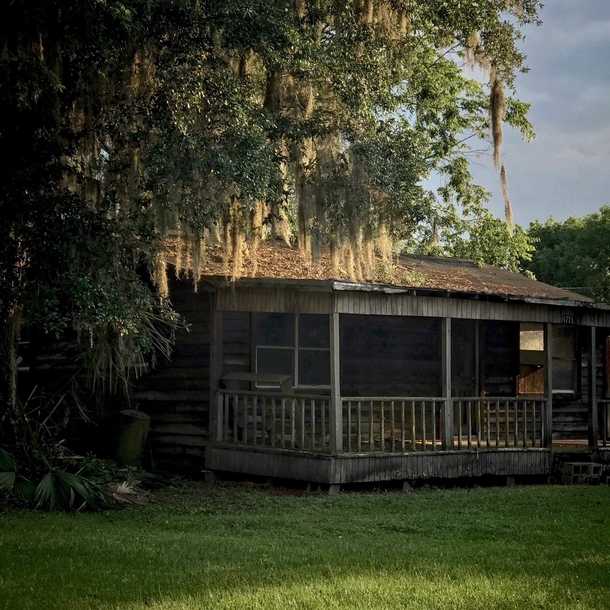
x: 469, y: 372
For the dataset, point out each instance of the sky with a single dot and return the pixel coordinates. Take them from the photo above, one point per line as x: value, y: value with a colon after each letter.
x: 566, y: 170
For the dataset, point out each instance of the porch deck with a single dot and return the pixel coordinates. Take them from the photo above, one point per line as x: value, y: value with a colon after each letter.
x: 377, y: 467
x: 303, y: 437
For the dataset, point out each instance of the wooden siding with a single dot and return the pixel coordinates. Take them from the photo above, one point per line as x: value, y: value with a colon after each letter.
x: 236, y: 342
x: 431, y: 306
x: 370, y: 468
x: 315, y: 298
x: 284, y: 299
x: 177, y: 393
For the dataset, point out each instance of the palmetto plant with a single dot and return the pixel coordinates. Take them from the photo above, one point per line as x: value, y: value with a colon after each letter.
x: 12, y: 482
x: 37, y: 469
x: 66, y: 491
x: 55, y: 490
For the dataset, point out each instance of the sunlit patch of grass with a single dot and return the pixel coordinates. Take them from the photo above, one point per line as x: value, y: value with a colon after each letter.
x: 236, y: 546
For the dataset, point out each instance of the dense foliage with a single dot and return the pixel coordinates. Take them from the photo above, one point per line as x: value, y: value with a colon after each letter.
x: 574, y: 254
x: 123, y: 120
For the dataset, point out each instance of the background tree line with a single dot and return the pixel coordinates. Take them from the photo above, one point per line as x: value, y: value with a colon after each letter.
x: 574, y: 254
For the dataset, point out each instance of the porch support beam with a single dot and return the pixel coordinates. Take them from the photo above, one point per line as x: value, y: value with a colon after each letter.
x: 215, y: 417
x: 447, y: 427
x: 336, y: 407
x: 548, y: 384
x: 592, y: 398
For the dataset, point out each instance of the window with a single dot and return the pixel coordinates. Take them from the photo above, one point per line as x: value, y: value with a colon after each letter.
x: 293, y: 344
x: 531, y: 338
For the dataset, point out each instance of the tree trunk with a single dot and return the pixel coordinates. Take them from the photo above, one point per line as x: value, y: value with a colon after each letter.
x: 9, y: 336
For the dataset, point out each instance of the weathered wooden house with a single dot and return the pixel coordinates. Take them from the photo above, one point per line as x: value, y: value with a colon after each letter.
x: 474, y: 371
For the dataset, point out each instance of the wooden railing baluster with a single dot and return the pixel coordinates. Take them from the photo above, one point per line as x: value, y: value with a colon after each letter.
x: 293, y: 423
x: 413, y: 433
x: 488, y: 426
x: 323, y: 424
x: 382, y: 425
x: 402, y: 425
x: 516, y: 439
x: 460, y: 407
x: 359, y: 414
x: 349, y: 426
x: 257, y: 418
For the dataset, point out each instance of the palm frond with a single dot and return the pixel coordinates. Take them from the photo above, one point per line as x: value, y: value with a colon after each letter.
x: 6, y: 461
x: 67, y: 491
x: 46, y: 493
x: 24, y: 489
x: 7, y: 481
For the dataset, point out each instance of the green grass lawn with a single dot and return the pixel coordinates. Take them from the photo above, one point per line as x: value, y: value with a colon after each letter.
x: 239, y: 546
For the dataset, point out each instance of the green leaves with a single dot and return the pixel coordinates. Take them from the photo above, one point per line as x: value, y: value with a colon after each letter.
x: 126, y: 120
x: 6, y: 461
x: 62, y: 490
x: 574, y: 254
x: 10, y: 481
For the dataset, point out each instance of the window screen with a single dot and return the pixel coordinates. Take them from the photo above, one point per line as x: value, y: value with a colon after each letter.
x: 295, y: 345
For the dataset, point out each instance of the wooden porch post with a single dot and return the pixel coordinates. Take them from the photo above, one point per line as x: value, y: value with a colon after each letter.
x: 336, y: 407
x: 215, y: 373
x: 447, y: 424
x: 592, y: 398
x: 548, y: 384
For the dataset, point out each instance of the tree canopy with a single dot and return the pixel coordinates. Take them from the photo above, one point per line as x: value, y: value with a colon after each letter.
x: 316, y: 119
x: 574, y: 254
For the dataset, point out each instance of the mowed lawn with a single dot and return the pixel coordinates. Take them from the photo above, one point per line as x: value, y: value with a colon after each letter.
x: 240, y: 546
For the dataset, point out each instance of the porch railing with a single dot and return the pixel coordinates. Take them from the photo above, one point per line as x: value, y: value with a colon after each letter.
x: 499, y: 422
x: 416, y: 423
x: 392, y: 424
x: 303, y: 422
x: 270, y: 419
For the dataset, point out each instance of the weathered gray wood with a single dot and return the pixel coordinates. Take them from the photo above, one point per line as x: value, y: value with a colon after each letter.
x: 592, y: 421
x: 215, y: 371
x: 392, y: 428
x: 336, y: 405
x: 488, y: 423
x: 197, y: 381
x: 477, y: 357
x: 447, y: 419
x: 547, y: 423
x: 181, y: 428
